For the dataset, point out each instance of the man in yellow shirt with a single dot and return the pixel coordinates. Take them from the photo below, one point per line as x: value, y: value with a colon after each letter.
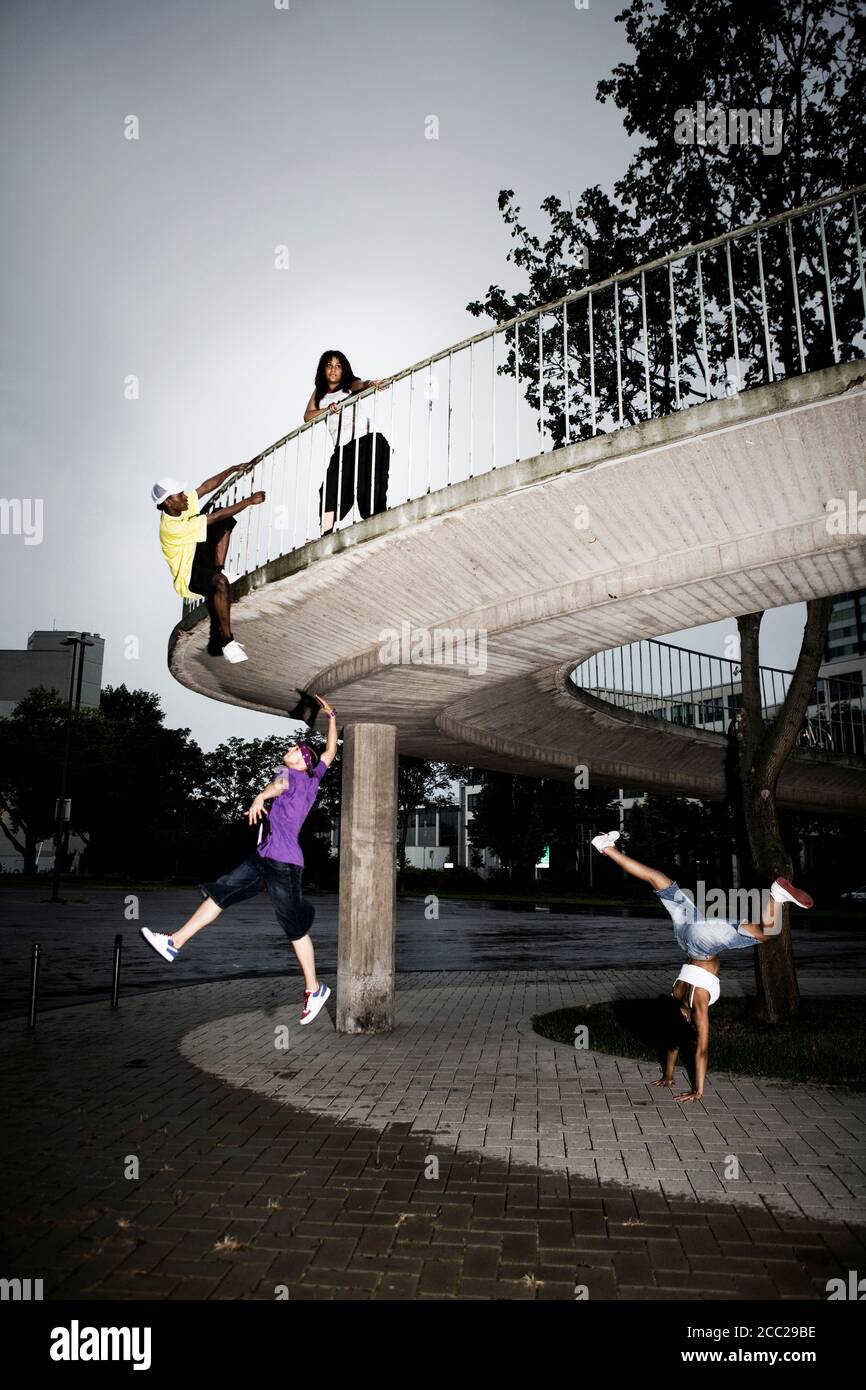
x: 195, y: 545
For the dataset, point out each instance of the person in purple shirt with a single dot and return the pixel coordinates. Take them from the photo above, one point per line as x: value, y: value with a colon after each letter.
x: 276, y: 864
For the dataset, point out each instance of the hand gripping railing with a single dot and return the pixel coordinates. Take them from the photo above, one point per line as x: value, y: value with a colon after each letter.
x: 773, y: 299
x: 694, y: 690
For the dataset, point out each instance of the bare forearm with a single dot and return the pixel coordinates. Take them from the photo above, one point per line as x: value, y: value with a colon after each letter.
x: 670, y: 1064
x: 701, y: 1058
x: 219, y: 513
x: 219, y: 478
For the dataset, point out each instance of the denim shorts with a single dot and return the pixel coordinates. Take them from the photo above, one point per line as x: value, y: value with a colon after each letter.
x: 283, y: 882
x: 699, y: 937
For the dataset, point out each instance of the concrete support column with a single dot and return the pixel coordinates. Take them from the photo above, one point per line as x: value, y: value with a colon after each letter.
x: 368, y: 879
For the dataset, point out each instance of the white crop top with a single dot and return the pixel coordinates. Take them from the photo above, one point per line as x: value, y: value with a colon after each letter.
x: 704, y: 979
x: 352, y: 420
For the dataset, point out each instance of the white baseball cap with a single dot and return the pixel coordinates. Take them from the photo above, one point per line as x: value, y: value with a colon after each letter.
x: 164, y: 488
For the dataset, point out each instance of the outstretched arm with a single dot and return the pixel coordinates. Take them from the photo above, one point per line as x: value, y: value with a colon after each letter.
x: 359, y: 385
x: 702, y: 1022
x: 219, y: 478
x: 667, y: 1078
x: 257, y: 808
x: 331, y: 746
x: 219, y: 512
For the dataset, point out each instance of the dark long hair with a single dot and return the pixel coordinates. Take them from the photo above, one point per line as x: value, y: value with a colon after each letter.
x: 322, y: 387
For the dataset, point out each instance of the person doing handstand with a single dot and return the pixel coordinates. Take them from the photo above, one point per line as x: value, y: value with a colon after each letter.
x: 703, y: 941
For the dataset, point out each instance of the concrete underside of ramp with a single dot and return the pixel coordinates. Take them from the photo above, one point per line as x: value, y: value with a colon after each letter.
x: 713, y: 512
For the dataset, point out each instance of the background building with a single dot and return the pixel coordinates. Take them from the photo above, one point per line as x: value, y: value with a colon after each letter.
x: 47, y: 662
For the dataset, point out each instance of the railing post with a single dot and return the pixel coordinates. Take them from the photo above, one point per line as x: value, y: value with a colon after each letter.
x: 34, y: 987
x: 674, y: 335
x: 732, y: 301
x: 115, y: 977
x: 646, y: 351
x: 493, y: 401
x: 770, y: 372
x: 795, y: 290
x: 832, y: 316
x: 591, y: 361
x: 566, y: 435
x: 618, y: 353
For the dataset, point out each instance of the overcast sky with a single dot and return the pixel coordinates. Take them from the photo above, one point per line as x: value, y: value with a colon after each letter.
x: 155, y: 257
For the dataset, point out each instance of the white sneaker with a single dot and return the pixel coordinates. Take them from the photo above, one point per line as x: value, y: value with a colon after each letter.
x: 233, y: 651
x: 161, y: 943
x: 314, y: 1002
x: 784, y: 892
x: 603, y: 842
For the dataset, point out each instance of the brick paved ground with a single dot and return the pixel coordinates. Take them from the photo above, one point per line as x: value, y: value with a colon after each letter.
x: 306, y: 1168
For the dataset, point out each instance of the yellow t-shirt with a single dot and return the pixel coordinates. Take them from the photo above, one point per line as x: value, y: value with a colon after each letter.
x: 179, y: 536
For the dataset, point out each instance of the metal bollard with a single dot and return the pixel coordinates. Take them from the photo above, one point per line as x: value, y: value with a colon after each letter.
x: 115, y: 981
x: 34, y: 986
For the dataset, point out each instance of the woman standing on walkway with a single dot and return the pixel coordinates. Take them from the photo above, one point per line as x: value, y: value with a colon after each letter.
x: 276, y: 864
x: 702, y: 940
x: 336, y: 383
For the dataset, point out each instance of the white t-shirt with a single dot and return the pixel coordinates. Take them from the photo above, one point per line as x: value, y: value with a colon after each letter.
x: 355, y: 419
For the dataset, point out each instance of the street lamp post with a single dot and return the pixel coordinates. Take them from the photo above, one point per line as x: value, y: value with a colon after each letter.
x: 76, y: 676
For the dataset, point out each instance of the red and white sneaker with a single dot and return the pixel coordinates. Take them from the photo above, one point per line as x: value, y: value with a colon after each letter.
x: 784, y: 892
x: 314, y: 1003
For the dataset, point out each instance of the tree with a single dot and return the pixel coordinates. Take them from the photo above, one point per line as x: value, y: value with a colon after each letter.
x: 235, y: 771
x: 136, y: 786
x: 788, y: 56
x: 507, y: 819
x: 800, y: 57
x: 31, y: 747
x: 569, y: 816
x: 763, y: 748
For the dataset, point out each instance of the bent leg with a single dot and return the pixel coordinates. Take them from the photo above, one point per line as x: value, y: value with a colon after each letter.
x: 766, y: 927
x: 205, y: 913
x: 638, y: 870
x: 221, y: 548
x: 220, y: 606
x: 303, y: 948
x: 243, y: 882
x: 294, y: 914
x: 218, y: 536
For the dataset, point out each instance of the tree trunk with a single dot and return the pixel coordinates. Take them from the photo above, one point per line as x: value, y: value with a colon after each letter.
x: 763, y: 751
x: 27, y: 850
x: 778, y: 993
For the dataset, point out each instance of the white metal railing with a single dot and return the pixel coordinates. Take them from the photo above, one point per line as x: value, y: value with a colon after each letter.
x: 695, y: 690
x: 769, y: 300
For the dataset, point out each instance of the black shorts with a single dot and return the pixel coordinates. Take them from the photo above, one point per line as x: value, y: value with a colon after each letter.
x: 282, y: 881
x: 204, y: 566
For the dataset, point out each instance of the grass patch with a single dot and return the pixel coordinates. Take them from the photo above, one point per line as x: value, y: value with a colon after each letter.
x: 826, y: 1043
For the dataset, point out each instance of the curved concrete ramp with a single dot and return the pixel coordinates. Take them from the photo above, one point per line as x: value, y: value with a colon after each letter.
x: 716, y: 511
